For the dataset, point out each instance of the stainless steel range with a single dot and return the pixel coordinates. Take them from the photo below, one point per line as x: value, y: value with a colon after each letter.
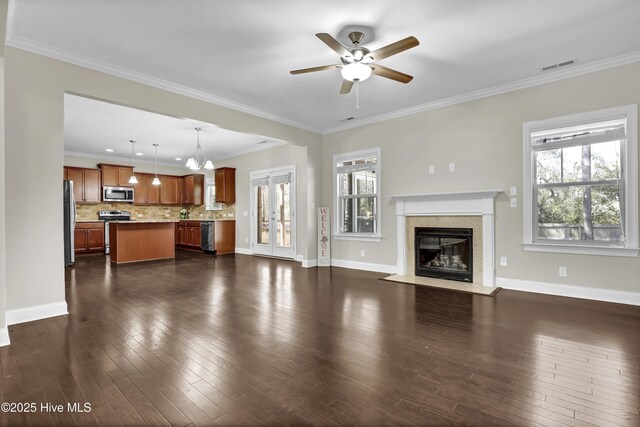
x: 107, y: 216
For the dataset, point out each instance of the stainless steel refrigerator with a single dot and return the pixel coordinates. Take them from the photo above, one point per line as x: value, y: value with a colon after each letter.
x: 69, y: 223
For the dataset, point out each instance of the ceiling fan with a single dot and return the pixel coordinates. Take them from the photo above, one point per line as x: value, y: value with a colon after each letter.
x: 358, y: 63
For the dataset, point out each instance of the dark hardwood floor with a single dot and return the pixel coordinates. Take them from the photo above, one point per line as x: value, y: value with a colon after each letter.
x: 240, y: 340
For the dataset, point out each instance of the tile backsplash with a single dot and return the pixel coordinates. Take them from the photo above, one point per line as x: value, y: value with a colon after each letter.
x: 89, y: 212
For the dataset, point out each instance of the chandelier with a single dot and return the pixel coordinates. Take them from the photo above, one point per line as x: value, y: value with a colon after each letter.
x: 199, y: 161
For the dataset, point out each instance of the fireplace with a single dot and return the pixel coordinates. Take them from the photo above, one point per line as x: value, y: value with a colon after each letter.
x: 444, y: 253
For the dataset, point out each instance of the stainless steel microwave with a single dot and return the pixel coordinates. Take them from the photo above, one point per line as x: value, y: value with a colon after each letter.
x: 117, y: 194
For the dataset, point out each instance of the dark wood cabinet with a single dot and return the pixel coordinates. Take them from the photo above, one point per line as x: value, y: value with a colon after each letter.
x: 192, y: 189
x: 116, y: 175
x: 225, y: 236
x: 225, y: 179
x: 153, y: 192
x: 141, y: 190
x: 188, y: 234
x: 145, y: 192
x: 169, y: 190
x: 86, y: 184
x: 89, y: 237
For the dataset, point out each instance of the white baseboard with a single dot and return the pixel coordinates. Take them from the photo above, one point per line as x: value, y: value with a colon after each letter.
x: 379, y: 268
x: 244, y: 251
x: 308, y: 263
x: 36, y: 312
x: 4, y: 337
x: 598, y: 294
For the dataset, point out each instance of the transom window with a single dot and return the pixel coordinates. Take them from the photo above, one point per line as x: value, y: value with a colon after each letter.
x: 579, y: 180
x: 357, y: 180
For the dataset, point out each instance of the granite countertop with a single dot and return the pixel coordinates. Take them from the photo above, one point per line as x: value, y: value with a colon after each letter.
x: 207, y: 219
x: 145, y: 221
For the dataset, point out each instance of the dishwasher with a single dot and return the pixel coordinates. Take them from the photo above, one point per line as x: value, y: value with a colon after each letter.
x: 208, y: 237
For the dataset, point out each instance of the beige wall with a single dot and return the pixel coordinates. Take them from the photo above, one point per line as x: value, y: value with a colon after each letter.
x: 3, y: 253
x: 484, y: 139
x: 35, y: 86
x: 284, y: 155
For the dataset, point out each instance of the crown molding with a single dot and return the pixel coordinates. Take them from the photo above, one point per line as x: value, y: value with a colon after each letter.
x: 547, y: 77
x: 86, y: 62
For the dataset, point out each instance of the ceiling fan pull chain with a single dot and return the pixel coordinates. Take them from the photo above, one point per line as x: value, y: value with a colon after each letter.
x: 357, y: 97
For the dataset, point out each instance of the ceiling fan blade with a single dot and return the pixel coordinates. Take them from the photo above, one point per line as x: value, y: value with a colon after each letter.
x: 381, y: 71
x: 346, y: 86
x: 393, y: 48
x: 313, y: 69
x: 333, y: 44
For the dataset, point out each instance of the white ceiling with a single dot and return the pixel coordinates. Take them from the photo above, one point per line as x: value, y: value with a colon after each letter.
x: 91, y: 126
x: 240, y: 52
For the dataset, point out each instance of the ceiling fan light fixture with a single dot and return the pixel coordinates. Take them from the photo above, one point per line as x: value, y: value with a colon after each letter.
x: 356, y: 72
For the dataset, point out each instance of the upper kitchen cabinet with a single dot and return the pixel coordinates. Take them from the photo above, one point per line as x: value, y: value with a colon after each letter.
x: 86, y: 184
x: 169, y: 192
x: 193, y: 189
x: 116, y: 175
x: 141, y: 189
x: 225, y: 179
x: 145, y: 192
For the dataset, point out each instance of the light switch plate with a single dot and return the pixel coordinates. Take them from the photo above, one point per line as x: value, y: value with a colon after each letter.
x: 562, y: 271
x: 432, y: 169
x: 513, y: 191
x: 245, y: 213
x: 513, y: 202
x: 503, y: 261
x: 452, y: 167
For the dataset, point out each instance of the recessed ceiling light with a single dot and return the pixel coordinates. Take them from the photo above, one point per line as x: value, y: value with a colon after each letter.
x: 139, y: 154
x: 178, y: 158
x: 109, y: 150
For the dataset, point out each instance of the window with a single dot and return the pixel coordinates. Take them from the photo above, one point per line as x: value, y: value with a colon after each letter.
x: 581, y: 183
x: 357, y: 191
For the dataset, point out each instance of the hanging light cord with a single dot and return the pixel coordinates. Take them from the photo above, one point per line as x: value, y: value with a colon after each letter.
x: 357, y: 97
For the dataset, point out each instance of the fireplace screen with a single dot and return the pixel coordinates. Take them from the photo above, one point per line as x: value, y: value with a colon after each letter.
x: 445, y: 253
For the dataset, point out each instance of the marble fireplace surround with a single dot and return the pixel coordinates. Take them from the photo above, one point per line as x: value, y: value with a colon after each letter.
x: 470, y: 209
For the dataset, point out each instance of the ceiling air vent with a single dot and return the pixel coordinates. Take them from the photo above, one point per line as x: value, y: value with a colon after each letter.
x: 263, y: 142
x: 558, y: 65
x: 347, y: 119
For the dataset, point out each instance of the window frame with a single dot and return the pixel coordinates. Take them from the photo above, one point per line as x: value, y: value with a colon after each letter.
x: 357, y: 155
x: 629, y: 178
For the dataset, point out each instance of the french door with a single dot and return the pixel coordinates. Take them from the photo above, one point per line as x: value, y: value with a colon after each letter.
x: 273, y: 213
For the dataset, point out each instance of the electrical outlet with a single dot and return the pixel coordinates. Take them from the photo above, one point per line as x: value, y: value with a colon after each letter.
x: 139, y: 215
x: 362, y: 253
x: 432, y: 169
x: 503, y: 261
x: 513, y: 191
x: 513, y: 202
x: 562, y: 271
x: 452, y: 167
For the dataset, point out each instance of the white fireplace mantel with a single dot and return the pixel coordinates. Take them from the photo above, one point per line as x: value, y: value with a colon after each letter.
x: 472, y: 203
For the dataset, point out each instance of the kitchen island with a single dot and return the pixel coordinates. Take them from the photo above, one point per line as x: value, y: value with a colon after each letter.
x: 132, y: 241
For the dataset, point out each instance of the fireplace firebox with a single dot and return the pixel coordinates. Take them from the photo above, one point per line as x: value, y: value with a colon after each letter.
x: 444, y: 253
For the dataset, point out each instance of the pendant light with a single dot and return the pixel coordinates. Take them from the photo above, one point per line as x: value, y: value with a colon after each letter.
x: 133, y: 179
x: 156, y: 181
x: 199, y: 161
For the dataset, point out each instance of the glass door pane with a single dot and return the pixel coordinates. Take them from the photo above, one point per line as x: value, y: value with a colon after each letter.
x: 262, y: 216
x: 283, y: 214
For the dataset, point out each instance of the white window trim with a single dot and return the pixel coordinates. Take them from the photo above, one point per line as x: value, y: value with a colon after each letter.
x: 367, y: 237
x: 630, y: 150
